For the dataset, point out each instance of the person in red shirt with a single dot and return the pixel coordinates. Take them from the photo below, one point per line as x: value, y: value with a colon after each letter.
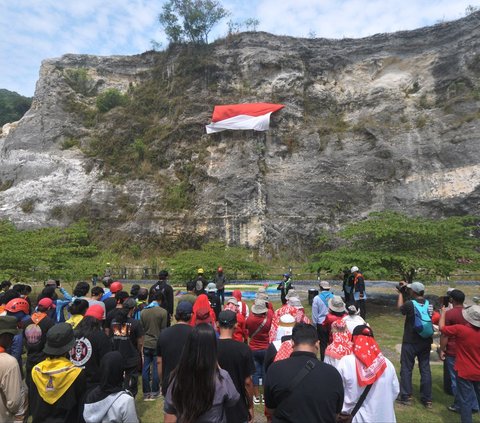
x: 448, y: 348
x: 467, y: 362
x: 241, y: 333
x: 336, y: 311
x: 202, y: 305
x: 258, y: 326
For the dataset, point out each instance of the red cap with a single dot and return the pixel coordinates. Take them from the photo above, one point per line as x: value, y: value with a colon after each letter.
x: 97, y: 311
x: 47, y: 303
x: 116, y: 287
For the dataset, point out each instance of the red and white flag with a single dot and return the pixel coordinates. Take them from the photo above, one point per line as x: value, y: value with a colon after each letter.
x: 254, y: 116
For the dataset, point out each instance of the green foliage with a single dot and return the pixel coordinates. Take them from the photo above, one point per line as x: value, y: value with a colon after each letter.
x: 69, y: 143
x: 190, y: 20
x: 177, y: 196
x: 109, y: 99
x: 67, y: 254
x: 390, y: 244
x: 28, y: 205
x: 183, y: 265
x: 80, y: 82
x: 12, y: 106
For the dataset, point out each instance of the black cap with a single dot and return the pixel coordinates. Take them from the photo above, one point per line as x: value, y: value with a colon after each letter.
x: 227, y: 317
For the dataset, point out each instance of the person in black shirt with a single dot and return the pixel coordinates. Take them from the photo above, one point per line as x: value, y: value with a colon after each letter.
x: 214, y: 298
x: 167, y: 291
x: 127, y: 337
x: 236, y: 358
x: 171, y: 341
x: 284, y: 286
x: 91, y: 345
x: 318, y: 397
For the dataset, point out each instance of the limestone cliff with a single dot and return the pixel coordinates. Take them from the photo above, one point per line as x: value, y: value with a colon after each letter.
x: 390, y: 121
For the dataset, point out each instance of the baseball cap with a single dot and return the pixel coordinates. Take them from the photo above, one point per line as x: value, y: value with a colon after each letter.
x: 97, y: 311
x: 185, y: 307
x: 416, y: 287
x: 202, y: 315
x: 129, y: 303
x: 211, y: 287
x: 47, y: 303
x: 227, y: 317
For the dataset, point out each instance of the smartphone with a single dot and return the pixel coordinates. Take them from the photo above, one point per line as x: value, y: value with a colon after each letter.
x: 444, y: 300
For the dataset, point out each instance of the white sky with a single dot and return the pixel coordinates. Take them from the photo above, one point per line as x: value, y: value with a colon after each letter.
x: 33, y: 30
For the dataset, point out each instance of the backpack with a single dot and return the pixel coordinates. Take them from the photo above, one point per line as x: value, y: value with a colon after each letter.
x: 422, y: 323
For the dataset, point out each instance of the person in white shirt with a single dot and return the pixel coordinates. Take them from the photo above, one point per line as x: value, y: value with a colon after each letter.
x: 368, y: 366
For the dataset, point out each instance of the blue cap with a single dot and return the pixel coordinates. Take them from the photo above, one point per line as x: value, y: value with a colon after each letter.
x: 185, y: 307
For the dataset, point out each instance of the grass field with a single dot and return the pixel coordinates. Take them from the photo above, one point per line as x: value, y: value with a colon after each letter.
x: 387, y: 325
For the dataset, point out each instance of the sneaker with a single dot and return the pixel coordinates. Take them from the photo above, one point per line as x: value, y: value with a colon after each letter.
x: 148, y: 397
x: 256, y: 400
x: 406, y: 401
x: 155, y: 395
x: 453, y: 408
x: 427, y: 404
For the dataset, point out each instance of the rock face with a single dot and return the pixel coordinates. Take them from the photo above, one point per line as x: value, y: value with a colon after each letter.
x: 388, y: 122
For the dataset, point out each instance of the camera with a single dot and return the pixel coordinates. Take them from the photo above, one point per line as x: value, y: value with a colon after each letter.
x: 401, y: 287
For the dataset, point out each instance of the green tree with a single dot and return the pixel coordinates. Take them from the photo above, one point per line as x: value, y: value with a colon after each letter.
x: 190, y: 20
x: 389, y: 244
x: 183, y: 265
x: 12, y: 106
x: 251, y: 24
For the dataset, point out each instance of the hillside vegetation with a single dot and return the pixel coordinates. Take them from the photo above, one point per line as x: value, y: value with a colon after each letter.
x: 12, y: 106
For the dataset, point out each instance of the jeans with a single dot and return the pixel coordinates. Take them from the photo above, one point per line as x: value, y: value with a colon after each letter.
x: 258, y: 359
x: 407, y: 362
x: 450, y: 362
x: 150, y: 367
x: 467, y: 390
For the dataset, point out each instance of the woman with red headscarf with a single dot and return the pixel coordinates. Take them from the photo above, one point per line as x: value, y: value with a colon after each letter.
x: 368, y: 366
x: 202, y: 311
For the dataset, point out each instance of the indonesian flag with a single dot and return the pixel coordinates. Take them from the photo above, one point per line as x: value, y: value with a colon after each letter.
x: 254, y: 116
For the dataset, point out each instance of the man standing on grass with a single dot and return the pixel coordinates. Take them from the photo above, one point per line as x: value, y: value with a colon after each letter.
x: 414, y: 345
x: 171, y: 341
x: 301, y: 388
x: 154, y: 321
x: 236, y: 358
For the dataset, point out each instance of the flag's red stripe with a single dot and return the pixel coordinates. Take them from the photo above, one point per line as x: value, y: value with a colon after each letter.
x: 250, y: 109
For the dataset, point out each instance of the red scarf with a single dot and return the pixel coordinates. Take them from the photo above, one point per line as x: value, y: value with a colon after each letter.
x: 370, y: 362
x: 341, y: 344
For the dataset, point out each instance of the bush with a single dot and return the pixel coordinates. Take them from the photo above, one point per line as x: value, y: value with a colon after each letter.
x: 109, y: 99
x: 80, y: 82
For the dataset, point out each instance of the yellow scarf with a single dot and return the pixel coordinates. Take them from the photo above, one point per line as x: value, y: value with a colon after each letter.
x: 53, y: 376
x: 75, y: 320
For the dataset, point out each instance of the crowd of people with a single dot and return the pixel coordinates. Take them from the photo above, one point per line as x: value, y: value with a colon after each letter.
x: 78, y: 357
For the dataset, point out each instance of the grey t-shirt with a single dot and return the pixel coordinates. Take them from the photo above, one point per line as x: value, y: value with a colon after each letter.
x: 225, y: 396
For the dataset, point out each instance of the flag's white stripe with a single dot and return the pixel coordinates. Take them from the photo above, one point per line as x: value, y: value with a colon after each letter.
x: 257, y: 123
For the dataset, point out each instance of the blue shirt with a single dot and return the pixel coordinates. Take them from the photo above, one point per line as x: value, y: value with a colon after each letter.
x: 319, y: 310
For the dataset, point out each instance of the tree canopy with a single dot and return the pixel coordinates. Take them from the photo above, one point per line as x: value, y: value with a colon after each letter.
x: 12, y: 106
x: 391, y: 244
x: 190, y: 20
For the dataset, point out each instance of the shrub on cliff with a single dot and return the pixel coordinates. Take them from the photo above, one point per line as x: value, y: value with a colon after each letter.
x: 109, y: 99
